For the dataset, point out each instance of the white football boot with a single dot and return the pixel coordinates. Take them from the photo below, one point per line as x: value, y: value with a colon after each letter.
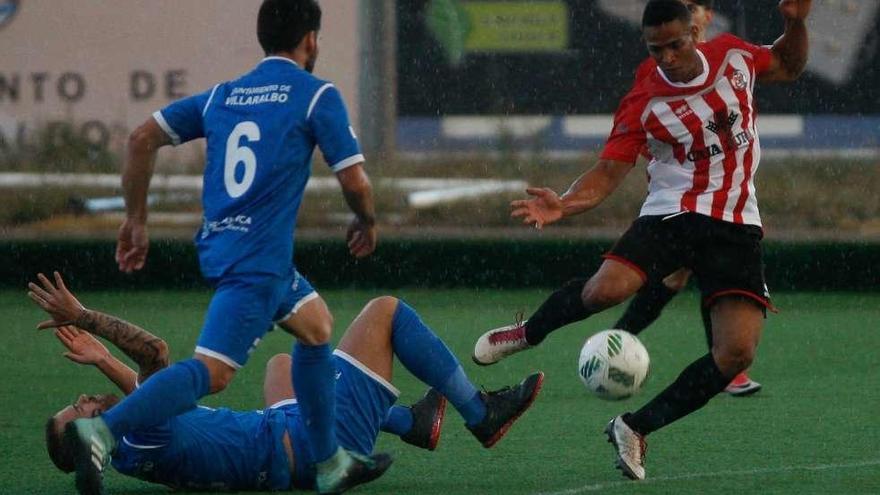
x: 497, y: 344
x: 630, y: 447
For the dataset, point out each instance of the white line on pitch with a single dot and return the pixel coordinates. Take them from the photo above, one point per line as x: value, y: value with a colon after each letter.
x: 689, y: 476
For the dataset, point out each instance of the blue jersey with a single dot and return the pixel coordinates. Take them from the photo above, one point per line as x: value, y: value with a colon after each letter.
x: 261, y: 131
x: 221, y: 449
x: 206, y: 448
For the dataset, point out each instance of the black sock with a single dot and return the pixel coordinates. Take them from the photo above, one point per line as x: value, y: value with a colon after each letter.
x: 645, y: 307
x: 562, y: 307
x: 706, y: 311
x: 693, y: 388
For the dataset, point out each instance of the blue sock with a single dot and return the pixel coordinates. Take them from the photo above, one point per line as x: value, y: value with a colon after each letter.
x: 168, y: 393
x: 398, y: 421
x: 315, y: 384
x: 428, y: 358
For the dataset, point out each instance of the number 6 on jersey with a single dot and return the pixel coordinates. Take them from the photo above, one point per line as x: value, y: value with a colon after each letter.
x: 236, y: 154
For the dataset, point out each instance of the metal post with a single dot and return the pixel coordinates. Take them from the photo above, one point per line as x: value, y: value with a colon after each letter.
x: 378, y: 79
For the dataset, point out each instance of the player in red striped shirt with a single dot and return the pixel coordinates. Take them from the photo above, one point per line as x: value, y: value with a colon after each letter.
x: 692, y: 114
x: 646, y: 306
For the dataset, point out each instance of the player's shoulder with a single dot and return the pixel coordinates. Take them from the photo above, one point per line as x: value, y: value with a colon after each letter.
x: 638, y: 96
x: 645, y: 69
x: 319, y: 84
x: 724, y: 42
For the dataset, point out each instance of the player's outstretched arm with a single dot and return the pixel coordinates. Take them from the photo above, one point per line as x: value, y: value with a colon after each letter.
x: 83, y: 348
x: 790, y: 50
x: 148, y: 351
x: 587, y: 192
x: 140, y: 157
x: 358, y: 194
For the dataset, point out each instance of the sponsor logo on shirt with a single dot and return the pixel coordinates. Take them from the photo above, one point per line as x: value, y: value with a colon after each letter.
x: 683, y: 111
x: 238, y: 223
x: 722, y: 126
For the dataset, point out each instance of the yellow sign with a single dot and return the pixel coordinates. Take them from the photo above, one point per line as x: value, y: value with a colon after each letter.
x: 497, y: 26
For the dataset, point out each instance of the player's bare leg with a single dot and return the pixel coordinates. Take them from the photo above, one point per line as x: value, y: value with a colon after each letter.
x: 736, y: 328
x: 277, y: 383
x: 646, y: 306
x: 649, y: 302
x: 737, y: 322
x: 612, y: 284
x: 388, y: 325
x: 312, y: 375
x: 311, y: 323
x: 221, y: 373
x: 741, y: 385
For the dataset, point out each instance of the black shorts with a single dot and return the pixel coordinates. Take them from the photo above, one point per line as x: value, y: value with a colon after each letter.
x: 725, y: 257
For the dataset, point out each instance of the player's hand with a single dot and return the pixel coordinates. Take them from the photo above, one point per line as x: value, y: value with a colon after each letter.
x: 361, y: 238
x: 795, y: 9
x: 82, y: 347
x: 132, y: 244
x: 56, y: 300
x: 543, y: 209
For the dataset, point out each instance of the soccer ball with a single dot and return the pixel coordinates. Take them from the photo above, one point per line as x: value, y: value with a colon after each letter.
x: 613, y: 364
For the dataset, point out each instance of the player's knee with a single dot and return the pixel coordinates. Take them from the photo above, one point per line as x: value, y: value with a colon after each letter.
x: 678, y: 280
x: 734, y: 359
x: 603, y: 294
x: 221, y: 378
x: 219, y: 372
x: 318, y: 333
x: 385, y: 305
x: 278, y: 361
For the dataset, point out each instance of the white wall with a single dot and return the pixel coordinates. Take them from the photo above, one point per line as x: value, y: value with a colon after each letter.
x: 74, y: 60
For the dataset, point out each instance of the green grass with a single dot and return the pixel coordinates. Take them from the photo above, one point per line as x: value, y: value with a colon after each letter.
x: 813, y: 429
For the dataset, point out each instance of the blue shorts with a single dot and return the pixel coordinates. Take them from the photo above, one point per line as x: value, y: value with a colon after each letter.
x: 362, y: 402
x: 243, y: 309
x: 209, y: 449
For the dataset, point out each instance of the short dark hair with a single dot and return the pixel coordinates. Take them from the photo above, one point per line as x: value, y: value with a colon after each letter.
x: 659, y: 12
x: 282, y: 24
x: 706, y: 4
x: 61, y: 456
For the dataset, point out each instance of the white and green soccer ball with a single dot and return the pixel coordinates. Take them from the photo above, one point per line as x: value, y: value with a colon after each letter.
x: 613, y: 364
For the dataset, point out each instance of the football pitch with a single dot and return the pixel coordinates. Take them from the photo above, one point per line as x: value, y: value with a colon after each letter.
x: 814, y: 428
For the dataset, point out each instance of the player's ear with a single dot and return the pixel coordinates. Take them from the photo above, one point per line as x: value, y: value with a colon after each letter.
x: 311, y: 41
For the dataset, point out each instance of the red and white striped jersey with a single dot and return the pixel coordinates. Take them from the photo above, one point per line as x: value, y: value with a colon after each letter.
x: 700, y: 136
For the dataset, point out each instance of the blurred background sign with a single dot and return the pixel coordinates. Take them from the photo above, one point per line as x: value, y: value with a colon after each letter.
x: 498, y: 27
x: 101, y: 68
x: 571, y: 61
x: 475, y: 96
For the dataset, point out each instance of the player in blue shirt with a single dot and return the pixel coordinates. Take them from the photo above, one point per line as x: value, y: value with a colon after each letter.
x: 222, y: 449
x: 261, y: 130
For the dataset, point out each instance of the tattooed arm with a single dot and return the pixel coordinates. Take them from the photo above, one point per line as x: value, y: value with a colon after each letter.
x: 148, y: 351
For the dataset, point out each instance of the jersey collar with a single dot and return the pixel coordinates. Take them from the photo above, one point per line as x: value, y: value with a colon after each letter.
x: 697, y: 81
x: 275, y: 57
